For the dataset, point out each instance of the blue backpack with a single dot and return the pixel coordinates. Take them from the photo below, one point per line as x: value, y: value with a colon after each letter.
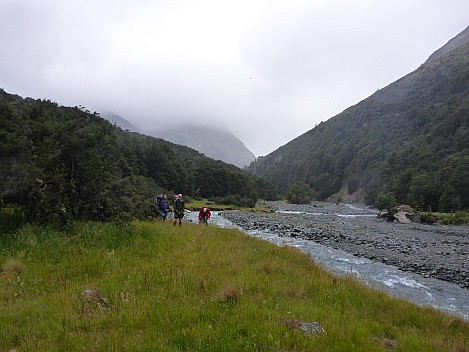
x: 158, y: 201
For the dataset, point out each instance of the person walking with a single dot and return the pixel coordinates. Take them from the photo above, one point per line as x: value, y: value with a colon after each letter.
x: 179, y: 206
x: 204, y: 215
x: 164, y: 207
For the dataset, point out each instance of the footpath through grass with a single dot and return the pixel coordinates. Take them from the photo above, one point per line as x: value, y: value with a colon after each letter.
x: 155, y: 287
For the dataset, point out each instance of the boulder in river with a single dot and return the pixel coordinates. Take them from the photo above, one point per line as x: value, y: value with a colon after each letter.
x: 403, y: 213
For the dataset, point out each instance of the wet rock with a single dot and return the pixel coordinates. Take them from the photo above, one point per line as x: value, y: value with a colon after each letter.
x: 312, y: 328
x: 309, y: 328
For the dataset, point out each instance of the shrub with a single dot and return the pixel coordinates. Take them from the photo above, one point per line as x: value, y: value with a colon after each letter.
x: 235, y: 200
x: 457, y: 218
x: 300, y: 193
x: 385, y: 200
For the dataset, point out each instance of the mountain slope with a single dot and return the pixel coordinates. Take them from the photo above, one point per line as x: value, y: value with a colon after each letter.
x: 410, y: 139
x: 215, y: 143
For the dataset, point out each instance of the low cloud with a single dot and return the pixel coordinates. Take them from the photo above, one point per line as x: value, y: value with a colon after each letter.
x: 266, y: 70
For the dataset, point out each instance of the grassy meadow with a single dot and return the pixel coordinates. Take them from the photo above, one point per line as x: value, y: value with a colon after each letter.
x: 150, y: 286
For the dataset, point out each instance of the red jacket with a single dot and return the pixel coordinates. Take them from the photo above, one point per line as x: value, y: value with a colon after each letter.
x: 203, y: 213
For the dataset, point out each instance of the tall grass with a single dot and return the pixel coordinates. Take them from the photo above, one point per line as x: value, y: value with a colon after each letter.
x: 155, y: 287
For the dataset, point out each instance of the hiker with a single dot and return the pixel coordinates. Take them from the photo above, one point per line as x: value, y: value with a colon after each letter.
x: 204, y: 215
x: 164, y: 207
x: 179, y: 206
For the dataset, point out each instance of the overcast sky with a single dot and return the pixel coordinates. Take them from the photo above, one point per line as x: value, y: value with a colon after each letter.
x: 266, y: 70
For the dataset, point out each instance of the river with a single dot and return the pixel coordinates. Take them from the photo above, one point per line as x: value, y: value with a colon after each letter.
x: 423, y: 291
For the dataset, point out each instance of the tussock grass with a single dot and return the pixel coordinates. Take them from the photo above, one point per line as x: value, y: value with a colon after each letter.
x: 155, y: 287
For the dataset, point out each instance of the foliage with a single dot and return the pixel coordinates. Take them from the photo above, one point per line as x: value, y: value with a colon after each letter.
x: 456, y: 218
x: 236, y: 200
x: 11, y: 218
x: 410, y: 138
x: 150, y: 286
x: 300, y: 193
x: 385, y: 200
x: 59, y: 164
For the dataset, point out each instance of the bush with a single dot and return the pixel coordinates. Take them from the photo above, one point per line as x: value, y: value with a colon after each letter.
x: 237, y: 200
x: 300, y: 193
x: 385, y: 200
x: 456, y: 218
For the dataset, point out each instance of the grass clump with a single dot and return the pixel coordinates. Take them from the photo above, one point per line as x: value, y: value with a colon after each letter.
x: 229, y: 293
x: 455, y: 218
x: 12, y: 267
x: 155, y: 287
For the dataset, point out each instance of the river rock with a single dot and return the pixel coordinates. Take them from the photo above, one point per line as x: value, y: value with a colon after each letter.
x: 404, y: 214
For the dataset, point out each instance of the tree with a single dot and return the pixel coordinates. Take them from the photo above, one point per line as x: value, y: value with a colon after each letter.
x: 449, y: 200
x: 385, y: 200
x: 300, y: 193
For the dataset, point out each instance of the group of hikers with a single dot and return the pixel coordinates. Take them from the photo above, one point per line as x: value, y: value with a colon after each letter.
x: 179, y: 207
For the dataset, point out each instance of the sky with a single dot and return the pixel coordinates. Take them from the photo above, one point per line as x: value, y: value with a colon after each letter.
x: 268, y: 71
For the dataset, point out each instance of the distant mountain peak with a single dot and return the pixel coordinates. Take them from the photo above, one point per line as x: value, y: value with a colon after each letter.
x: 119, y: 121
x: 214, y: 142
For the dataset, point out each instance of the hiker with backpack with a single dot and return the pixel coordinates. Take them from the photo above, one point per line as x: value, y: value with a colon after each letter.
x: 163, y: 206
x: 179, y: 206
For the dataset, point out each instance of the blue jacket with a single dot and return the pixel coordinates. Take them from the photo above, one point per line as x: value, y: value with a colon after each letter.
x: 164, y: 206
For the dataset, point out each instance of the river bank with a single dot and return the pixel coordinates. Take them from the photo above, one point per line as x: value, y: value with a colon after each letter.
x: 436, y: 251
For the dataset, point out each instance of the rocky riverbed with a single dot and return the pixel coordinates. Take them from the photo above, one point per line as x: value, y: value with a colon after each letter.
x: 437, y: 251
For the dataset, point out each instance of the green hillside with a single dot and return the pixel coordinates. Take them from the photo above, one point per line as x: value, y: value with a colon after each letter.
x: 409, y: 139
x: 62, y: 163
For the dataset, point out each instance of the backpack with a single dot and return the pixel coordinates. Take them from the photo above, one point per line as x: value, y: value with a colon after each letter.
x: 179, y: 206
x: 158, y: 201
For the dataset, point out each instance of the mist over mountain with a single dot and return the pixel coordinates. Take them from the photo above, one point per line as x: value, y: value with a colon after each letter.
x: 119, y: 121
x: 215, y: 143
x: 409, y: 140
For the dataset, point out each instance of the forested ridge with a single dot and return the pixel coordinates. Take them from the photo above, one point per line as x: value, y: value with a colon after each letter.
x: 64, y: 163
x: 409, y: 140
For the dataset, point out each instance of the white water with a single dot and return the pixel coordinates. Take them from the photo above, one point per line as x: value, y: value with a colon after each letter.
x: 438, y: 294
